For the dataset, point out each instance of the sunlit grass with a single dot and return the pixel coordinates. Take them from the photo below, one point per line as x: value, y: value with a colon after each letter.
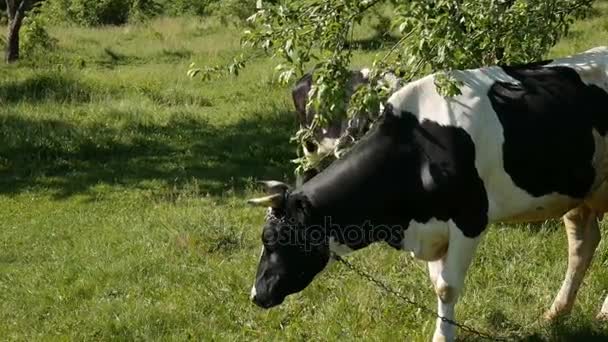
x: 122, y: 205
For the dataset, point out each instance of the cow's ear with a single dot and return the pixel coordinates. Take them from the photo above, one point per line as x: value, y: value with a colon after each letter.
x: 299, y: 93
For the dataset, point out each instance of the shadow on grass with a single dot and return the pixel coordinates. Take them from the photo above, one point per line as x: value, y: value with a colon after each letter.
x: 110, y: 59
x: 69, y: 159
x: 571, y: 329
x: 63, y: 87
x: 51, y: 86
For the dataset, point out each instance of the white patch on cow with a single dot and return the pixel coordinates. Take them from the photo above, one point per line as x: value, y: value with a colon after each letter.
x: 604, y: 310
x: 590, y: 66
x: 427, y: 179
x: 426, y: 241
x: 598, y: 49
x: 364, y: 73
x: 598, y: 199
x: 253, y: 290
x: 326, y: 146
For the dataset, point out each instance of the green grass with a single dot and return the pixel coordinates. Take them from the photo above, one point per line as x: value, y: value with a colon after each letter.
x: 122, y: 190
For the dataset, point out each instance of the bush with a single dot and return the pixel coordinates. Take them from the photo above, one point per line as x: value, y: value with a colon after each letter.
x: 140, y: 10
x: 189, y: 7
x: 35, y: 40
x: 117, y: 12
x: 233, y: 9
x: 99, y: 12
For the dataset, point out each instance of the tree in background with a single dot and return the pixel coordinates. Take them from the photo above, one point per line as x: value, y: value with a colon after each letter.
x: 16, y: 12
x: 119, y: 12
x: 425, y: 36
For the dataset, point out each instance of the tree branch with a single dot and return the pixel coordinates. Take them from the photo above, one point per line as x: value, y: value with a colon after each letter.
x: 20, y: 12
x: 10, y: 9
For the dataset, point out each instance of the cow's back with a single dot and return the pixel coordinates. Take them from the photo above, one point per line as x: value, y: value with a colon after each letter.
x: 539, y: 131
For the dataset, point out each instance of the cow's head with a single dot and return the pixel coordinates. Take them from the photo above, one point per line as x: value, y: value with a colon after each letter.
x: 294, y: 250
x: 324, y: 139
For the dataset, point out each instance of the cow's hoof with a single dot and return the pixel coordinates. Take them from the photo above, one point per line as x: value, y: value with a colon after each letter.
x: 440, y: 338
x: 556, y: 312
x: 552, y: 315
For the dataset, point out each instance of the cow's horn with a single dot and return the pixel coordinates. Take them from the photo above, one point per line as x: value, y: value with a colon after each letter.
x: 275, y: 187
x: 273, y: 201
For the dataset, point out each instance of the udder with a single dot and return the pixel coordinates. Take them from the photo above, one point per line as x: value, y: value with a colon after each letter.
x: 426, y: 241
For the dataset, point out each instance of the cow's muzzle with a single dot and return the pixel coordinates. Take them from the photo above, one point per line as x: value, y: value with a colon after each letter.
x: 266, y: 302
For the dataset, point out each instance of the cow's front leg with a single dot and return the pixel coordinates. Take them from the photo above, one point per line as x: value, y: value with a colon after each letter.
x: 603, y: 315
x: 448, y: 275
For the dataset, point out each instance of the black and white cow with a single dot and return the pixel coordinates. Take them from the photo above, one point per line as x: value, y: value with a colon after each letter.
x: 324, y: 140
x: 521, y: 143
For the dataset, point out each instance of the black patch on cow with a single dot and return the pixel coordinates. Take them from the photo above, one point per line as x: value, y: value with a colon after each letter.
x: 547, y: 120
x: 457, y: 192
x: 373, y: 192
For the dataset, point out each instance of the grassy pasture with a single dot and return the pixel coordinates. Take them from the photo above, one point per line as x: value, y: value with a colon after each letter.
x: 122, y: 190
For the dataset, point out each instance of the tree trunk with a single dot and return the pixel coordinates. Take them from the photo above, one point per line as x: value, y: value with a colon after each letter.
x: 12, y: 45
x: 16, y: 15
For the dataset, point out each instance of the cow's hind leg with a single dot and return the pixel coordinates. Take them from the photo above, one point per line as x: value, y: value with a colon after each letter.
x: 583, y: 237
x: 603, y: 315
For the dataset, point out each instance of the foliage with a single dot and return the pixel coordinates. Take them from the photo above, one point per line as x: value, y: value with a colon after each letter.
x: 34, y: 37
x: 227, y: 10
x: 190, y: 7
x: 101, y: 12
x: 116, y: 12
x: 233, y: 9
x: 140, y: 10
x: 433, y: 36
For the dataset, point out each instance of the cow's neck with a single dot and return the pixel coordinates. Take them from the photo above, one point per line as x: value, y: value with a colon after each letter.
x: 366, y: 197
x: 348, y: 237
